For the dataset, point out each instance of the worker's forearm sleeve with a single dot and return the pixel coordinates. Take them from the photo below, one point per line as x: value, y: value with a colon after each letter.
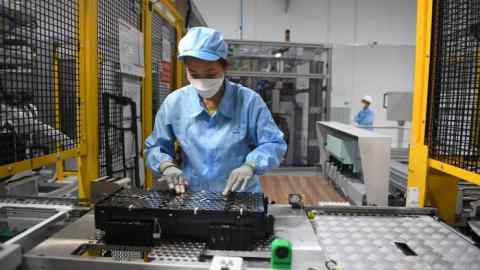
x: 159, y: 146
x: 269, y: 144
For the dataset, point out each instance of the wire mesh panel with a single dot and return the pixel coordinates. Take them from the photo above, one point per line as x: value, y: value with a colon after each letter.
x: 163, y: 46
x: 110, y: 12
x: 454, y: 109
x: 39, y: 93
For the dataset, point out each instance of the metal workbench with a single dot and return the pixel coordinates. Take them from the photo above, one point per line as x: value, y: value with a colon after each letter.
x: 342, y: 237
x: 30, y: 221
x: 56, y: 252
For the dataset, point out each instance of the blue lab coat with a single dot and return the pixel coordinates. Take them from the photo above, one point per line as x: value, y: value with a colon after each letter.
x: 365, y: 117
x: 242, y: 130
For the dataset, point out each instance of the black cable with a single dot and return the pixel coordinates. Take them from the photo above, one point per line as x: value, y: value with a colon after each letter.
x: 189, y: 13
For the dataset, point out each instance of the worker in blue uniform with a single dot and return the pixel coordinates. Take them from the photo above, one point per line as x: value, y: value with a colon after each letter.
x: 225, y: 131
x: 366, y: 116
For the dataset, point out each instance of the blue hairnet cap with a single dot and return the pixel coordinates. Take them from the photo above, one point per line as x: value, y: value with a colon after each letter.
x: 203, y: 43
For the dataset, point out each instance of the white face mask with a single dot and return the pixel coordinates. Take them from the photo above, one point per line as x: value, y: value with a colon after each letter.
x: 207, y: 88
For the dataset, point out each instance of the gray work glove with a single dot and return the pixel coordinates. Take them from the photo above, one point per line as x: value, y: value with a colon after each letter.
x: 172, y: 179
x: 239, y: 178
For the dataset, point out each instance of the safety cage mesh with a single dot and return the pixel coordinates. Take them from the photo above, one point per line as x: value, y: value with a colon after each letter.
x: 110, y: 12
x: 453, y: 130
x: 39, y: 78
x: 163, y: 44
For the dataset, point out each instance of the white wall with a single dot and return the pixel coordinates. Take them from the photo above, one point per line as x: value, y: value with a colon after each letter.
x: 348, y: 25
x: 319, y: 21
x: 370, y: 70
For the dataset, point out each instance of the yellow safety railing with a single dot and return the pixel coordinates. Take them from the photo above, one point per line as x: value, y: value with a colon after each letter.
x: 430, y: 182
x: 86, y: 151
x: 147, y: 117
x: 166, y: 10
x: 60, y: 154
x: 88, y: 164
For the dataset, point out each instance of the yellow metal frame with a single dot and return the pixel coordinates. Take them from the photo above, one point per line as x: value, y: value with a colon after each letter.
x: 147, y: 117
x: 455, y: 171
x: 430, y: 182
x: 167, y: 10
x: 88, y: 164
x: 60, y: 155
x: 56, y: 93
x: 87, y: 151
x: 418, y: 165
x: 21, y: 166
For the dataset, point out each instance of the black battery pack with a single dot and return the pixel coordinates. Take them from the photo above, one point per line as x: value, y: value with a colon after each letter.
x: 227, y: 223
x: 133, y: 233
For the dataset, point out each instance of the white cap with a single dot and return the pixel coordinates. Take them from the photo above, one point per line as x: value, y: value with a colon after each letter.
x: 367, y: 99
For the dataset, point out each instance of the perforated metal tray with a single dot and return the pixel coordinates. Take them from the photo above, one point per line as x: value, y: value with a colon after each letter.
x: 211, y: 201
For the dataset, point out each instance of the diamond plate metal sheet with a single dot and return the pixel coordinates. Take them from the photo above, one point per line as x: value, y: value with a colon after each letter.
x: 368, y: 242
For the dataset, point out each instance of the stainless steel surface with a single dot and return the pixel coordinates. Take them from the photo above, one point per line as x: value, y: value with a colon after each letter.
x: 56, y: 252
x: 398, y: 176
x: 23, y: 184
x: 262, y: 250
x: 102, y: 187
x: 67, y: 188
x: 366, y: 240
x: 10, y: 256
x: 36, y: 221
x: 43, y: 184
x: 475, y: 226
x: 293, y: 225
x: 400, y: 154
x: 371, y: 154
x: 398, y: 105
x: 243, y: 254
x: 373, y: 210
x: 400, y: 138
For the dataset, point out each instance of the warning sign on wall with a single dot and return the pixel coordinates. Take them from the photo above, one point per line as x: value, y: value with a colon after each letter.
x: 130, y: 42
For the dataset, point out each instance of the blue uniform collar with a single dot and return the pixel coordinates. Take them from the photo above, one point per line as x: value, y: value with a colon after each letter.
x: 227, y: 104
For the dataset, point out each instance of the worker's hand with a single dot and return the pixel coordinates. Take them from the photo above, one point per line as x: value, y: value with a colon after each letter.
x: 238, y: 179
x: 172, y: 180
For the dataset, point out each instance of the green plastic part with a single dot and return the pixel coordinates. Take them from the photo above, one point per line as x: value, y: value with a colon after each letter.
x: 281, y: 254
x: 6, y: 234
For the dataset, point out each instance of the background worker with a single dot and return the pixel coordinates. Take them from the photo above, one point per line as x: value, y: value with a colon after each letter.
x: 366, y: 116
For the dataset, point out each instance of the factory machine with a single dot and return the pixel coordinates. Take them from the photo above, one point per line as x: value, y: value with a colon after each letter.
x: 151, y: 229
x: 111, y: 225
x: 137, y: 229
x: 356, y: 160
